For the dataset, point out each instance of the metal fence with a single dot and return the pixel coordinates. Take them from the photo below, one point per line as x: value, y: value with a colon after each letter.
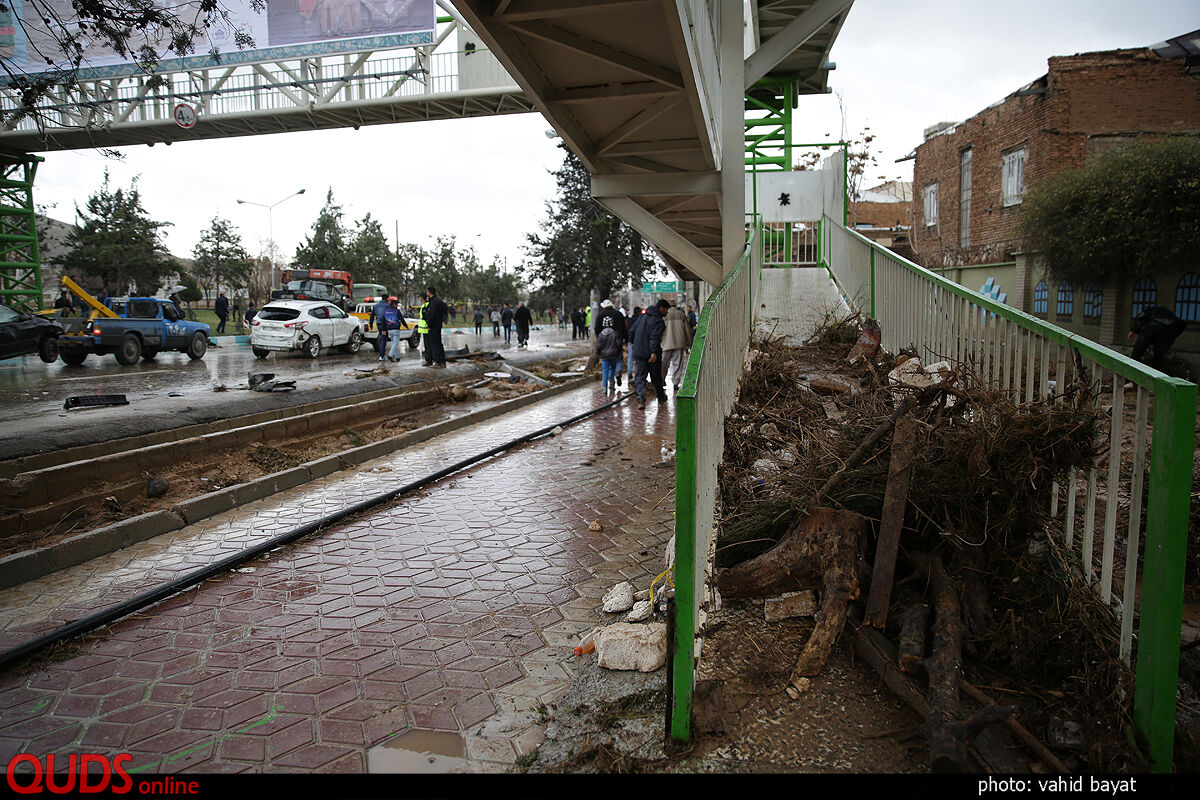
x: 1150, y: 422
x: 709, y: 388
x: 790, y: 244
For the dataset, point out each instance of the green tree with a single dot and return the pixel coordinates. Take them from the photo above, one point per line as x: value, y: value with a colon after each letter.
x: 582, y: 247
x: 328, y: 246
x: 1131, y: 212
x: 190, y: 292
x: 116, y: 241
x: 220, y: 259
x: 372, y: 259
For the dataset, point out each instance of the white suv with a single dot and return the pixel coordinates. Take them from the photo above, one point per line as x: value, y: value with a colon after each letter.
x: 304, y: 325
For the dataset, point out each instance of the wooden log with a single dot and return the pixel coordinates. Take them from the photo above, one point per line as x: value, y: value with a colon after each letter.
x: 861, y: 451
x: 895, y: 500
x: 912, y: 639
x: 947, y: 751
x: 976, y: 607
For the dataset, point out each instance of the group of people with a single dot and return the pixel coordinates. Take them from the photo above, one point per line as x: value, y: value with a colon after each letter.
x: 507, y: 317
x: 389, y: 321
x: 650, y: 344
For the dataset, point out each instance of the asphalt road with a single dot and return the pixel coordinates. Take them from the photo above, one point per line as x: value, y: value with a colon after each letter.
x: 173, y: 390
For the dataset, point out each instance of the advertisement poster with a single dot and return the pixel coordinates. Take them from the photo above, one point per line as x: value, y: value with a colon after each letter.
x: 283, y: 29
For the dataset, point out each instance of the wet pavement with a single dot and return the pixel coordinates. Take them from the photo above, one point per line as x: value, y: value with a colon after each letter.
x: 453, y: 609
x: 173, y: 390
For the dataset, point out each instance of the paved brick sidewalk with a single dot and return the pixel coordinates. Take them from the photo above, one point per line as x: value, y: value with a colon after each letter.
x: 794, y: 300
x: 453, y: 609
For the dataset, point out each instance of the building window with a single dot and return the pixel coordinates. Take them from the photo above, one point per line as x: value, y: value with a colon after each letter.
x: 1012, y: 177
x: 964, y: 200
x: 1145, y: 294
x: 1041, y: 298
x: 1187, y: 298
x: 1093, y: 303
x: 1066, y: 300
x: 931, y: 205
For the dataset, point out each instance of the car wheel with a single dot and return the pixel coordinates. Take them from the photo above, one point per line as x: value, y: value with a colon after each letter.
x: 355, y: 343
x: 313, y: 346
x: 129, y: 351
x: 260, y: 352
x: 73, y: 359
x: 149, y: 355
x: 198, y: 346
x: 48, y: 349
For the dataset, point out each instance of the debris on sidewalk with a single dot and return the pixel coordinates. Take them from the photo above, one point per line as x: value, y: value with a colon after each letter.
x: 619, y: 598
x: 790, y: 604
x: 628, y: 646
x: 157, y: 487
x: 595, y: 526
x: 640, y: 611
x: 95, y: 401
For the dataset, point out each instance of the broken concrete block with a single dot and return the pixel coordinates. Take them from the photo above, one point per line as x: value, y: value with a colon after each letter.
x: 770, y: 430
x: 619, y: 598
x: 791, y: 604
x: 640, y: 612
x: 625, y: 646
x: 595, y: 526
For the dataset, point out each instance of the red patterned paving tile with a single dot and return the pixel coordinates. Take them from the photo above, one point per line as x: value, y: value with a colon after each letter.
x: 503, y: 674
x: 152, y: 726
x: 289, y: 739
x: 102, y: 735
x: 337, y: 696
x: 170, y: 742
x: 203, y: 719
x: 54, y: 740
x: 312, y: 757
x: 227, y: 698
x: 474, y: 710
x: 421, y: 685
x: 438, y: 719
x: 73, y: 705
x: 342, y: 732
x: 244, y: 748
x: 256, y: 710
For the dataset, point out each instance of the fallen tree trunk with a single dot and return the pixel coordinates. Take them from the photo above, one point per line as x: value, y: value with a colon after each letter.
x: 821, y: 549
x: 947, y: 749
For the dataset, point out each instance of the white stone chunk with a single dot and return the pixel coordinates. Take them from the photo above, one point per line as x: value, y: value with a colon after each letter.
x: 640, y: 612
x: 619, y: 598
x: 625, y: 646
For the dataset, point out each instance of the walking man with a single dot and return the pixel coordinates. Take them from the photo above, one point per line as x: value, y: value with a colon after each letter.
x: 645, y: 350
x: 221, y: 309
x: 393, y: 321
x: 523, y: 319
x: 376, y: 320
x: 608, y: 318
x: 433, y: 315
x: 478, y: 322
x: 506, y: 318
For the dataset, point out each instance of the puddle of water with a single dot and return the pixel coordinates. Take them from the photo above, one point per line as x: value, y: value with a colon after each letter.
x: 418, y: 751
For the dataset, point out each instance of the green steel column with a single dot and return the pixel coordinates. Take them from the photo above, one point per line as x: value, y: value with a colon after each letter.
x: 873, y: 283
x: 1162, y: 576
x: 20, y: 259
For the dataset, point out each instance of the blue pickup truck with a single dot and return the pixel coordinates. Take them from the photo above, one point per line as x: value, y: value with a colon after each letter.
x: 142, y: 328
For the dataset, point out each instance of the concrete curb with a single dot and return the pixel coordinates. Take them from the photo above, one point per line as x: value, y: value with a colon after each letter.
x: 32, y: 564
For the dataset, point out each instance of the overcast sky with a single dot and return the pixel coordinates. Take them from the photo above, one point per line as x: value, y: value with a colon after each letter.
x: 901, y: 66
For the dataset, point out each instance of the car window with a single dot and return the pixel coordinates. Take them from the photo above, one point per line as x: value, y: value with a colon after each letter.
x: 320, y: 312
x: 8, y: 315
x: 278, y: 313
x: 336, y: 313
x: 142, y: 309
x: 170, y: 312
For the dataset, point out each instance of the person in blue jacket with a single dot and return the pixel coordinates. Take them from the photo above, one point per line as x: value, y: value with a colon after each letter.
x: 645, y: 348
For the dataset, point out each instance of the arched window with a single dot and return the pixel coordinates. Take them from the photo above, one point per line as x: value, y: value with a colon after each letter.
x: 1145, y: 294
x: 1093, y: 302
x: 1066, y: 300
x: 1187, y: 298
x: 1041, y: 298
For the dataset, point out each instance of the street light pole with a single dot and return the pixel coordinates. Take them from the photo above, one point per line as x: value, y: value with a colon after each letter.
x: 270, y: 228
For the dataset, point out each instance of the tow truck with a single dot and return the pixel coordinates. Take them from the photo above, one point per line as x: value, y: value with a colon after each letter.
x: 130, y: 328
x: 331, y: 285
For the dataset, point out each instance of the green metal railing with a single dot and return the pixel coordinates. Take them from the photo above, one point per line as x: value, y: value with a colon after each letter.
x: 709, y: 387
x: 20, y: 261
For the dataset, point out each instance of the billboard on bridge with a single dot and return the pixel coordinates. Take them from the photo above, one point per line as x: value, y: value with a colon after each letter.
x: 281, y: 29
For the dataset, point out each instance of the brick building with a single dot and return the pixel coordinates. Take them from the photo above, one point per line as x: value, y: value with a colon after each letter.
x: 969, y: 177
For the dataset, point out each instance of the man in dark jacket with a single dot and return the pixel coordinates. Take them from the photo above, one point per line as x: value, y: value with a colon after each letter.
x: 435, y: 317
x: 506, y: 319
x: 221, y: 309
x: 523, y: 320
x: 1155, y: 327
x: 376, y: 321
x: 645, y: 348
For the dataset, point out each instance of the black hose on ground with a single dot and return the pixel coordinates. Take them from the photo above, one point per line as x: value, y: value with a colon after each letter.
x: 166, y: 590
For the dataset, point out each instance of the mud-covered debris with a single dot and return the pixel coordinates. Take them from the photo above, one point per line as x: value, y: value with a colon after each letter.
x: 157, y: 487
x: 619, y: 598
x: 595, y: 527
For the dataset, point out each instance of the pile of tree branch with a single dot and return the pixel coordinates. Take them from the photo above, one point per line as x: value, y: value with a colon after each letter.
x: 933, y: 497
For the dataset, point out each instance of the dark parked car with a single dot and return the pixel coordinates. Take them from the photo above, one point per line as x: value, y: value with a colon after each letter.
x: 22, y: 334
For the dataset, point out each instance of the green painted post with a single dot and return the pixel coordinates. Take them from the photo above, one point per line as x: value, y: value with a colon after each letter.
x: 1162, y: 576
x: 682, y: 676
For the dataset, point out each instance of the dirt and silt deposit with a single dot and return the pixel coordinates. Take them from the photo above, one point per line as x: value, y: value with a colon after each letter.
x: 1004, y: 657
